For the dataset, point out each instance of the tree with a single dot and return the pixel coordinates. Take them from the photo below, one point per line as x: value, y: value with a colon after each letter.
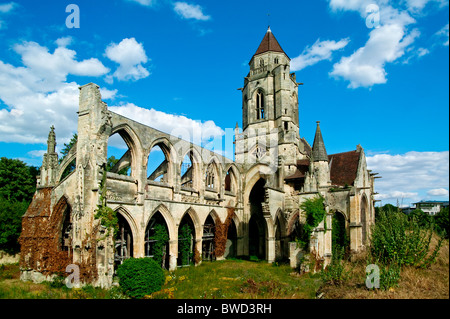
x: 422, y: 218
x: 67, y: 147
x: 17, y: 180
x: 441, y: 220
x: 11, y: 213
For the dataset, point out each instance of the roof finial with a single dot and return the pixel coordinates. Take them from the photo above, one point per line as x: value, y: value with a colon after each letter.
x: 268, y: 22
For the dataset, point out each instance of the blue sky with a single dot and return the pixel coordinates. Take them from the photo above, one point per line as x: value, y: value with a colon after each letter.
x: 179, y: 63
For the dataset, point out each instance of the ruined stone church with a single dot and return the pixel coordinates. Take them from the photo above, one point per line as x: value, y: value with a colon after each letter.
x: 257, y: 197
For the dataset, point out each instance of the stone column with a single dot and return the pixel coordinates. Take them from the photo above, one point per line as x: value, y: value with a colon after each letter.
x: 173, y: 254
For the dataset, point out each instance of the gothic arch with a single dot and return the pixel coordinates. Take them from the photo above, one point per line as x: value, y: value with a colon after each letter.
x: 134, y: 144
x: 169, y: 154
x: 197, y: 167
x: 171, y: 225
x: 167, y: 148
x: 213, y: 175
x: 198, y: 227
x: 130, y: 220
x: 66, y: 162
x: 291, y: 222
x: 231, y: 179
x: 61, y: 219
x: 125, y: 241
x: 364, y: 211
x: 214, y: 215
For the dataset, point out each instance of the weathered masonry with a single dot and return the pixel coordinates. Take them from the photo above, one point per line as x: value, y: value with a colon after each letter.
x: 254, y: 200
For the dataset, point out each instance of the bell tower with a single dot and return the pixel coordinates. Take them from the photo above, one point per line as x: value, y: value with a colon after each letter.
x: 270, y: 105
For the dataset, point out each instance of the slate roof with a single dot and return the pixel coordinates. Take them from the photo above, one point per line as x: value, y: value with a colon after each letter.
x: 319, y: 153
x: 269, y: 43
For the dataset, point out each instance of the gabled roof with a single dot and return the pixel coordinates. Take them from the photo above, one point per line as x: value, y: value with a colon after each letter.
x: 269, y: 43
x: 344, y: 167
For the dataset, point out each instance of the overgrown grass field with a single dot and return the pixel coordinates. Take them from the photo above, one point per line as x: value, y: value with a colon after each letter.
x: 242, y: 279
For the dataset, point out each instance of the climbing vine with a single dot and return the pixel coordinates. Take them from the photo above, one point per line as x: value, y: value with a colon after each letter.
x: 184, y: 244
x: 161, y: 237
x: 108, y: 217
x: 221, y: 234
x: 315, y: 213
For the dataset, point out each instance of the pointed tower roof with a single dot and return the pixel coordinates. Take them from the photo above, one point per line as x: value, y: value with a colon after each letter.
x: 319, y: 153
x: 269, y: 43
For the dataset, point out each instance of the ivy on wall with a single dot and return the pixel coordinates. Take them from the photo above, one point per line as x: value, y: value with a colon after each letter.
x: 315, y: 213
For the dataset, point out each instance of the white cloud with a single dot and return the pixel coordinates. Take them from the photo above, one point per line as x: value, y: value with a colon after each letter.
x: 422, y: 52
x: 7, y: 7
x: 147, y: 3
x: 180, y: 126
x: 438, y: 192
x: 4, y: 9
x: 108, y: 94
x: 405, y: 175
x: 64, y: 41
x: 37, y: 94
x: 54, y: 67
x: 391, y: 40
x: 398, y: 196
x: 444, y: 33
x: 37, y: 153
x: 366, y: 67
x: 130, y: 55
x: 190, y: 11
x: 319, y: 51
x: 419, y: 5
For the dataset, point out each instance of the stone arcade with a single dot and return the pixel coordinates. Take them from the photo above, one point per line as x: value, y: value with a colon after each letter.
x: 261, y: 191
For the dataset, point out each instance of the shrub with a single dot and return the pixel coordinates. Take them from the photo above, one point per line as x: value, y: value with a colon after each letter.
x: 389, y: 276
x: 335, y: 273
x: 402, y: 241
x: 441, y: 221
x: 139, y: 277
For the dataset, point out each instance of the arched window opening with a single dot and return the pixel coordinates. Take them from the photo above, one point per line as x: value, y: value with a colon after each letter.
x: 69, y: 169
x: 281, y: 243
x: 66, y: 232
x: 157, y: 165
x: 189, y: 172
x: 277, y: 61
x: 257, y: 223
x: 209, y: 230
x: 230, y: 182
x: 260, y: 113
x: 210, y: 177
x: 261, y: 62
x: 123, y: 241
x: 119, y: 156
x: 339, y: 238
x: 157, y: 240
x: 231, y: 245
x: 186, y: 239
x: 364, y: 211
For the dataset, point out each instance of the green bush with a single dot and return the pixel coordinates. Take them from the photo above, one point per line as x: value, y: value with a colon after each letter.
x: 441, y: 220
x: 401, y: 241
x: 139, y: 277
x: 335, y: 273
x: 389, y: 276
